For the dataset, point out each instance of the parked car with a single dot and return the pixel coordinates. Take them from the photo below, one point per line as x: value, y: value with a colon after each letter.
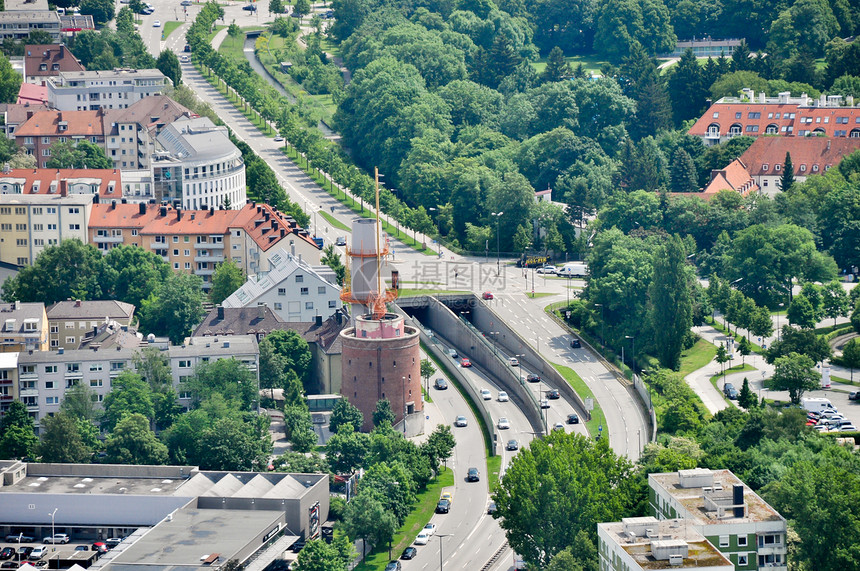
x: 9, y: 565
x: 486, y: 394
x: 7, y: 553
x: 24, y: 552
x: 37, y: 553
x: 423, y: 538
x: 440, y: 384
x: 19, y: 538
x: 297, y: 546
x: 491, y: 509
x: 547, y: 270
x: 185, y: 3
x: 465, y: 362
x: 81, y: 548
x: 573, y: 418
x: 847, y: 428
x: 447, y: 496
x: 184, y: 59
x: 409, y: 553
x: 575, y: 344
x: 100, y: 546
x: 512, y: 445
x: 249, y: 8
x: 57, y: 538
x: 487, y: 295
x: 113, y: 542
x: 461, y: 421
x: 504, y: 423
x: 443, y: 507
x: 503, y: 396
x: 156, y: 24
x: 727, y: 387
x: 430, y: 528
x: 533, y: 378
x: 393, y: 566
x: 553, y: 394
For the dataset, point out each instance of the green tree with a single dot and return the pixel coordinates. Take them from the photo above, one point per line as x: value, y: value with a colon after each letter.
x: 10, y: 81
x: 302, y: 8
x: 669, y: 304
x: 21, y: 160
x: 834, y: 300
x: 317, y: 555
x: 439, y: 445
x: 383, y: 413
x: 786, y: 179
x: 722, y: 357
x: 236, y: 444
x: 427, y: 370
x: 793, y: 373
x: 332, y: 259
x: 803, y: 341
x: 580, y: 556
x: 344, y: 412
x: 129, y: 394
x: 801, y: 312
x: 80, y: 402
x: 557, y: 68
x: 168, y: 64
x: 234, y: 31
x: 367, y: 519
x: 746, y: 398
x: 228, y: 278
x: 228, y: 377
x: 102, y: 11
x: 69, y: 269
x: 276, y: 7
x: 78, y: 155
x: 744, y: 348
x: 62, y: 441
x: 132, y: 273
x: 851, y: 356
x: 132, y: 442
x: 174, y: 308
x: 543, y: 505
x: 299, y: 429
x: 682, y: 173
x: 347, y: 449
x: 17, y: 438
x: 687, y: 85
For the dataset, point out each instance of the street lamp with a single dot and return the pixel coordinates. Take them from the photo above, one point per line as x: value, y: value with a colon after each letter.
x: 633, y: 351
x: 498, y: 216
x: 440, y: 536
x: 494, y: 333
x: 602, y: 340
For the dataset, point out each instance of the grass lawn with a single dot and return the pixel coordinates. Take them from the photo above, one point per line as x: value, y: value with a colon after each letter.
x: 736, y: 369
x: 417, y: 518
x: 169, y: 27
x: 540, y: 294
x: 333, y: 221
x: 697, y: 357
x: 591, y: 62
x: 234, y: 47
x: 597, y: 416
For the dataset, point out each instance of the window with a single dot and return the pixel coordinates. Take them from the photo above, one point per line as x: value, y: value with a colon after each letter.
x: 743, y: 559
x: 50, y: 368
x: 309, y: 305
x: 332, y: 303
x: 52, y: 400
x: 752, y: 128
x: 724, y: 541
x: 74, y: 226
x: 300, y: 278
x: 716, y: 114
x: 304, y: 291
x: 814, y: 168
x: 777, y: 167
x: 764, y: 167
x: 738, y: 115
x: 175, y: 252
x: 69, y: 324
x: 802, y: 168
x: 184, y: 364
x: 20, y: 227
x: 282, y: 291
x: 117, y: 365
x: 742, y: 540
x: 278, y: 306
x: 49, y: 384
x: 96, y: 383
x: 187, y: 252
x: 754, y: 115
x: 96, y: 367
x: 70, y: 340
x: 321, y: 290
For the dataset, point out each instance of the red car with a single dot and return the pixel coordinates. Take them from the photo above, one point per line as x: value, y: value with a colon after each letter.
x: 487, y: 295
x: 464, y: 362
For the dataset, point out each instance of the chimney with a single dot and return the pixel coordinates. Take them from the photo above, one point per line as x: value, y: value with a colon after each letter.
x: 261, y: 311
x: 60, y: 351
x: 141, y: 208
x: 211, y: 210
x: 77, y: 303
x: 179, y: 214
x: 162, y: 211
x: 220, y: 312
x: 112, y: 204
x: 96, y: 198
x: 318, y: 320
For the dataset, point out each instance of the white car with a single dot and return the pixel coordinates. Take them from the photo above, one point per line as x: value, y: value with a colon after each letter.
x: 57, y: 538
x: 558, y: 426
x: 486, y: 394
x: 503, y: 396
x: 184, y: 59
x: 422, y: 538
x: 430, y: 528
x: 156, y: 24
x: 38, y: 553
x: 847, y: 428
x: 503, y: 424
x: 544, y: 403
x: 547, y: 270
x: 514, y: 362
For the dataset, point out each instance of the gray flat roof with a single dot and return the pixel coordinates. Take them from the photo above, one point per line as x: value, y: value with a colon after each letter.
x: 182, y: 541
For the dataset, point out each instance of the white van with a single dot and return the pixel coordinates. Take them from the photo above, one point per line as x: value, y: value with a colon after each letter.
x: 818, y: 404
x: 573, y: 270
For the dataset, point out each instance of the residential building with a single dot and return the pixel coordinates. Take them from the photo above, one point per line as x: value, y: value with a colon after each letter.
x: 62, y: 182
x: 764, y: 160
x: 639, y: 543
x: 292, y: 288
x: 44, y: 61
x: 734, y: 177
x: 323, y: 337
x: 71, y: 24
x: 44, y: 128
x: 170, y: 517
x: 755, y: 114
x: 130, y: 136
x: 196, y: 166
x: 70, y: 321
x: 18, y: 24
x: 733, y: 518
x: 16, y: 115
x: 108, y: 89
x: 8, y: 380
x: 45, y: 376
x: 25, y: 327
x: 197, y: 241
x: 705, y: 47
x: 32, y: 94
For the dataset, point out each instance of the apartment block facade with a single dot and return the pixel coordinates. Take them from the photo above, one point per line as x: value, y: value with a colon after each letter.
x: 109, y: 89
x: 25, y: 327
x: 733, y: 518
x: 70, y: 322
x: 44, y: 128
x: 31, y: 223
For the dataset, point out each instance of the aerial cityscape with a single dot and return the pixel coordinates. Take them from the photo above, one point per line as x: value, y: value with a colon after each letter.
x: 357, y: 284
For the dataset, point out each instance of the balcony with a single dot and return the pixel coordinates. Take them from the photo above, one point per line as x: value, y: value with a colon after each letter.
x: 24, y: 376
x: 7, y: 382
x: 108, y: 239
x: 158, y: 245
x: 209, y: 245
x: 213, y: 259
x: 6, y: 398
x: 28, y: 393
x: 74, y: 375
x: 207, y: 272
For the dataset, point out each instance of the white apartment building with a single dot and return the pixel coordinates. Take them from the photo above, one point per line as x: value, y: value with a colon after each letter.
x: 195, y: 165
x: 45, y: 376
x: 639, y: 543
x: 294, y: 290
x: 733, y: 518
x: 110, y: 89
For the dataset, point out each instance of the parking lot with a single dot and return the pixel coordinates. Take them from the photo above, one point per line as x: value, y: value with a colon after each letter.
x: 20, y: 548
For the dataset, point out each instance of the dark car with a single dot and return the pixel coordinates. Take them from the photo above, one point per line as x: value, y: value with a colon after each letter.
x: 393, y: 566
x: 574, y: 343
x: 443, y: 507
x: 854, y: 395
x: 533, y: 378
x: 81, y: 548
x: 409, y: 553
x: 19, y: 538
x: 24, y: 552
x: 732, y: 393
x: 440, y: 384
x: 9, y: 565
x: 553, y: 394
x: 187, y: 48
x: 100, y: 546
x: 491, y: 509
x: 473, y: 475
x: 512, y: 445
x: 7, y: 553
x: 249, y: 8
x: 573, y: 418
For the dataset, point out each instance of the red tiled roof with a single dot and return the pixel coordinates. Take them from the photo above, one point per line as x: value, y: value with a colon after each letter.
x: 51, y: 181
x: 32, y: 93
x: 46, y: 123
x: 734, y: 177
x: 788, y: 119
x: 49, y: 55
x: 809, y: 155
